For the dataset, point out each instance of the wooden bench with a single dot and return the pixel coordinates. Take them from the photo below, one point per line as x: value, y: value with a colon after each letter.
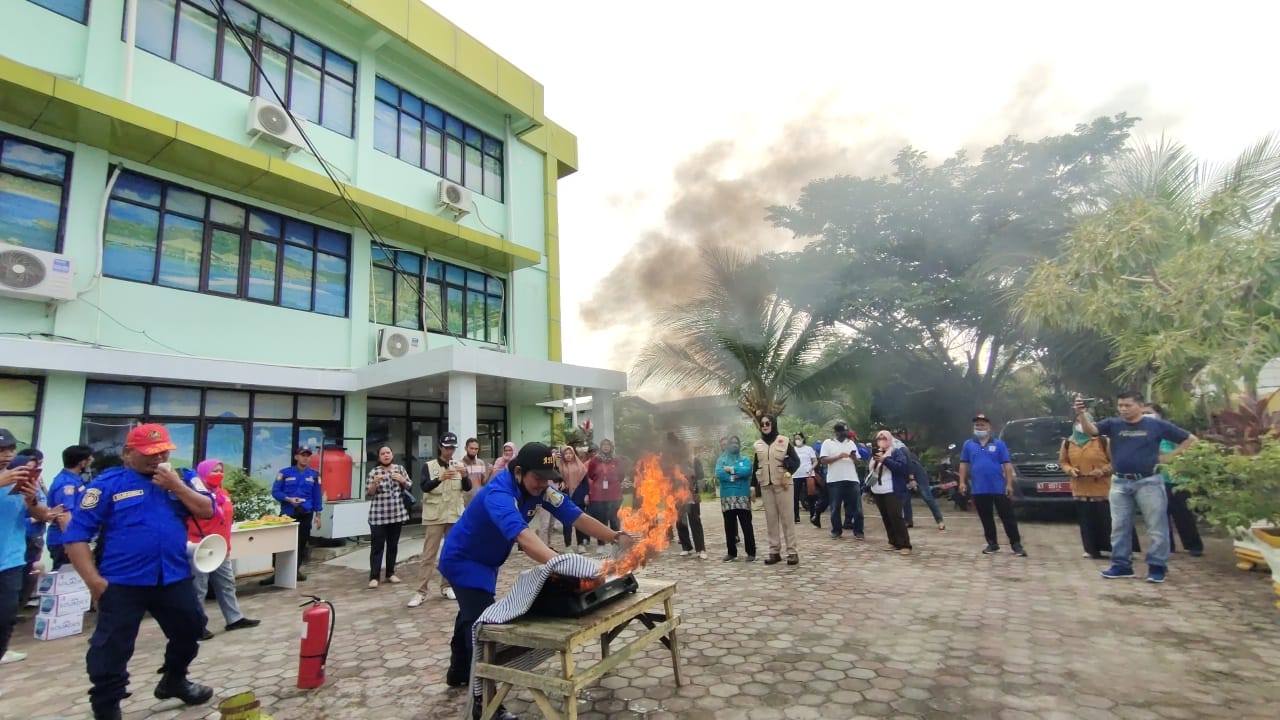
x: 652, y: 605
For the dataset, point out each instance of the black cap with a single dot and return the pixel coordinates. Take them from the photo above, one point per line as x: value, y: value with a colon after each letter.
x: 537, y: 458
x: 303, y: 449
x: 981, y: 416
x: 840, y: 427
x: 7, y: 440
x: 449, y: 440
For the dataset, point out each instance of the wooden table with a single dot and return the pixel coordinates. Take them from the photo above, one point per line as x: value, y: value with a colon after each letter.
x: 652, y: 605
x: 280, y: 541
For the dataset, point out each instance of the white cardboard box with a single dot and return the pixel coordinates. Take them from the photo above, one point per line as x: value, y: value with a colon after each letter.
x: 52, y: 628
x: 62, y: 582
x: 68, y: 604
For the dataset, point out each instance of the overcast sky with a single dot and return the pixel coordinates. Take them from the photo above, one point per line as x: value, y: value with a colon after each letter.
x: 684, y: 105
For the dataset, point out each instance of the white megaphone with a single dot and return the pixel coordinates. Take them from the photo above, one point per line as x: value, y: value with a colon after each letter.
x: 208, y: 554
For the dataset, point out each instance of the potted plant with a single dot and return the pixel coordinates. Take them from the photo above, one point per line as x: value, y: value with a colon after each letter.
x: 1234, y: 479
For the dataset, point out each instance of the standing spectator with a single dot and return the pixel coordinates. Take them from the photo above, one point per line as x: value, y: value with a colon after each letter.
x: 444, y: 493
x: 298, y: 490
x: 477, y: 469
x: 1086, y: 459
x: 917, y: 480
x: 66, y: 490
x: 985, y: 462
x: 887, y: 477
x: 733, y: 471
x: 500, y: 463
x: 804, y: 475
x: 547, y: 521
x: 817, y: 489
x: 772, y: 466
x: 34, y: 460
x: 574, y: 475
x: 387, y: 514
x: 140, y: 509
x: 604, y: 497
x: 843, y: 489
x: 223, y: 579
x: 689, y: 524
x: 14, y: 483
x: 1135, y: 452
x: 1181, y: 517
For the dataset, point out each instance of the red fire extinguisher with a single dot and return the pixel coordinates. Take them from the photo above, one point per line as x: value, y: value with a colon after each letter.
x: 318, y: 621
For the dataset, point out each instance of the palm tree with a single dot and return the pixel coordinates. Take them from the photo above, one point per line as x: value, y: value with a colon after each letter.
x: 740, y: 338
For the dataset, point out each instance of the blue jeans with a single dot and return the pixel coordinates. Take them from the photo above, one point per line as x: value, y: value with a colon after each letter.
x: 926, y: 494
x: 224, y: 590
x: 1148, y: 495
x: 849, y: 494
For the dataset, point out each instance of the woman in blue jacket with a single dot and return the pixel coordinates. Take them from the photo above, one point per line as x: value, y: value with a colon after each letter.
x: 887, y: 477
x: 733, y: 470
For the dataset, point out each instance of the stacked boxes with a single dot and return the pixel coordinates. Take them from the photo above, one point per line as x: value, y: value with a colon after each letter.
x: 64, y: 599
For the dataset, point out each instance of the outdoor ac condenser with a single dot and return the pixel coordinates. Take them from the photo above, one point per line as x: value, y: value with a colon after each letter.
x: 455, y: 197
x: 396, y: 343
x: 269, y: 120
x: 29, y: 274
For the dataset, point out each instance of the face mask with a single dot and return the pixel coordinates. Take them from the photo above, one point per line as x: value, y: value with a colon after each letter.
x: 981, y: 434
x: 214, y: 480
x: 1079, y: 430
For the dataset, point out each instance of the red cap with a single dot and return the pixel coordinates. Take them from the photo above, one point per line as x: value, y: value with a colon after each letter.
x: 149, y: 439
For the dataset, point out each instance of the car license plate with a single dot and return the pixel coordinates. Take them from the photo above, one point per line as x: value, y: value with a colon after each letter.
x: 1053, y: 487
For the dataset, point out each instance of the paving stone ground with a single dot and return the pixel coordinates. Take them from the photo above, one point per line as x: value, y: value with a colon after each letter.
x: 851, y: 632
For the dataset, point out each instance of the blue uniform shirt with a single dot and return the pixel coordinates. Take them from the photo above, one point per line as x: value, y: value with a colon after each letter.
x: 13, y: 529
x: 143, y: 528
x: 35, y: 528
x: 304, y: 483
x: 1135, y: 447
x: 986, y: 465
x: 480, y: 542
x: 66, y: 490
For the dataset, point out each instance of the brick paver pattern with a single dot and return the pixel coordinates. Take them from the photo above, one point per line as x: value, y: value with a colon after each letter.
x: 851, y: 632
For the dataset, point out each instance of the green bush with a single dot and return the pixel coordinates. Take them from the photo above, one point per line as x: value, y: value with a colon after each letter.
x: 1233, y: 489
x: 250, y: 498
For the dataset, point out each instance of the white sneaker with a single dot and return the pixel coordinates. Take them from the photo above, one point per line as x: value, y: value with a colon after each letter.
x: 685, y: 553
x: 373, y: 584
x: 702, y: 555
x: 415, y: 600
x: 394, y: 580
x: 448, y: 592
x: 12, y: 656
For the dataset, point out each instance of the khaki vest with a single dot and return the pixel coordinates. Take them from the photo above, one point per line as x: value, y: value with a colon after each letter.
x: 445, y: 503
x: 769, y: 470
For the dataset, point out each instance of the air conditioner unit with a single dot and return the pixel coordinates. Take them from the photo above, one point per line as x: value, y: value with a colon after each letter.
x: 455, y: 197
x: 36, y: 274
x: 397, y: 343
x: 269, y: 120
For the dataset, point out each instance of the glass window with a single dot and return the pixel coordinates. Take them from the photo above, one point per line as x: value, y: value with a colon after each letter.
x: 476, y: 318
x: 265, y: 223
x: 273, y: 32
x: 32, y: 194
x: 296, y: 231
x: 18, y: 395
x: 338, y: 66
x: 432, y: 115
x: 380, y: 406
x: 382, y: 296
x: 224, y: 263
x: 197, y: 40
x: 454, y: 275
x: 30, y: 159
x: 183, y: 436
x: 473, y: 178
x: 493, y: 178
x: 494, y: 319
x: 262, y: 270
x: 407, y: 301
x: 224, y: 213
x: 475, y: 280
x: 296, y: 281
x: 331, y: 285
x: 266, y: 405
x: 453, y: 126
x: 453, y: 310
x: 225, y: 442
x: 77, y: 10
x: 180, y: 248
x: 385, y: 132
x: 453, y: 159
x: 433, y: 309
x: 129, y: 250
x: 386, y: 92
x: 271, y: 449
x: 176, y: 401
x: 139, y: 189
x: 154, y: 32
x: 338, y: 106
x: 185, y: 201
x: 410, y: 140
x: 114, y: 399
x: 319, y: 407
x: 332, y: 241
x: 226, y: 404
x: 432, y: 152
x: 243, y: 16
x: 273, y: 78
x: 304, y: 91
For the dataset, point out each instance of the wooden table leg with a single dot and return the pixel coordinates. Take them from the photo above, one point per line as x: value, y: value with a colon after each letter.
x: 570, y: 701
x: 488, y: 651
x: 669, y: 606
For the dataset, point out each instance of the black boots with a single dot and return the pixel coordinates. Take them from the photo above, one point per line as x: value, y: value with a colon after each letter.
x: 172, y: 686
x: 107, y: 713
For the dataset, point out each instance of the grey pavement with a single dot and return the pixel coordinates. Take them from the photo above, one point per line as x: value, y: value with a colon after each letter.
x: 851, y: 632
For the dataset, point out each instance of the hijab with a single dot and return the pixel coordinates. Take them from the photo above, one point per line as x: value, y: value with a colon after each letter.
x: 500, y: 463
x: 571, y: 470
x: 207, y: 475
x: 773, y: 430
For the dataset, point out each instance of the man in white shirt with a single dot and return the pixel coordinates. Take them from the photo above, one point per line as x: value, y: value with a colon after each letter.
x: 843, y: 486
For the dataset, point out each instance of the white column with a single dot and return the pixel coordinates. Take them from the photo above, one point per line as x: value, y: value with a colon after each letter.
x: 462, y: 405
x: 602, y: 415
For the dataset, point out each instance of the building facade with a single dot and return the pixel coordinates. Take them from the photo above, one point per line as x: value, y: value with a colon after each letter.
x: 268, y: 223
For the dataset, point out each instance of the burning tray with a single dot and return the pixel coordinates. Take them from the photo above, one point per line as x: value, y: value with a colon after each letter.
x: 571, y: 597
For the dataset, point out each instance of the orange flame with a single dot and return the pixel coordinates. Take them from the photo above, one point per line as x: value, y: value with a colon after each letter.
x: 659, y: 493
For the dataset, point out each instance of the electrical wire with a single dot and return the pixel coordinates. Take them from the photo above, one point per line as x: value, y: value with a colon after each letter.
x: 415, y: 283
x: 143, y: 333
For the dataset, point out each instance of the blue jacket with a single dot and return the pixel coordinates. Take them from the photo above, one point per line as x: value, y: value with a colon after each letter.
x: 66, y: 490
x: 304, y: 483
x: 739, y: 483
x: 143, y: 528
x: 900, y: 466
x: 480, y: 542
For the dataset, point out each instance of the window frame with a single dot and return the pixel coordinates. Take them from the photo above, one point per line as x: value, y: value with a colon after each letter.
x: 257, y: 43
x: 247, y: 235
x: 64, y: 185
x: 87, y: 10
x: 36, y: 410
x: 446, y: 133
x: 433, y: 277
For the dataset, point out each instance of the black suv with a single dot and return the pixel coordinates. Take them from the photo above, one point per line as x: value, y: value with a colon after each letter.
x: 1033, y: 446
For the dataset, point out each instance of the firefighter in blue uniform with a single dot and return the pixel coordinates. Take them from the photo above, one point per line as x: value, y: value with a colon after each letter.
x: 66, y: 490
x: 297, y: 489
x: 140, y: 509
x: 480, y: 542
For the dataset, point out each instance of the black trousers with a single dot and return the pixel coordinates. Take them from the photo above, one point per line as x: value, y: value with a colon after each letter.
x: 732, y: 519
x: 120, y: 611
x: 380, y: 537
x: 304, y: 533
x: 1095, y: 526
x: 1002, y: 505
x: 58, y: 554
x: 690, y: 522
x: 895, y: 527
x: 10, y: 588
x: 471, y: 604
x: 1182, y: 520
